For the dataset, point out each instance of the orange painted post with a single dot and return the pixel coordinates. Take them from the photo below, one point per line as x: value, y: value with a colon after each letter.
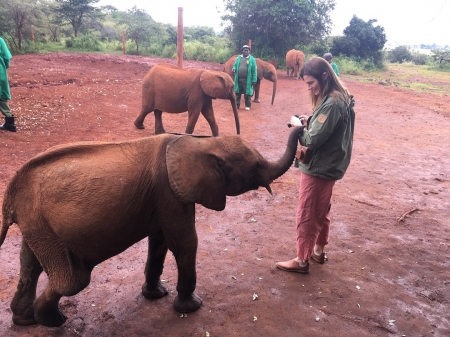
x: 124, y: 48
x: 250, y: 44
x: 180, y: 38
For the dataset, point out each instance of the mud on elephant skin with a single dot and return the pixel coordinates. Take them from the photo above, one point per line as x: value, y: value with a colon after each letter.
x: 169, y: 88
x: 265, y: 70
x: 79, y: 204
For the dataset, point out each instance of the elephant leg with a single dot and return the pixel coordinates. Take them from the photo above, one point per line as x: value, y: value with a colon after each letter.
x: 22, y: 303
x: 208, y: 113
x: 67, y: 276
x: 157, y: 250
x: 183, y: 241
x: 256, y: 88
x: 159, y: 128
x: 139, y: 121
x: 192, y: 120
x: 238, y: 99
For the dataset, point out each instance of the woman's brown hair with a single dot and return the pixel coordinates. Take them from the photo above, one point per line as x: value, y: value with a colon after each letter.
x: 316, y: 67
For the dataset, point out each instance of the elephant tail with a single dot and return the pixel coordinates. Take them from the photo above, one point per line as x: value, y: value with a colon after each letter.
x: 8, y: 220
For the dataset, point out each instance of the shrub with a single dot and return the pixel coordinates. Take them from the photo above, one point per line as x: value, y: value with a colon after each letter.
x: 399, y: 54
x: 86, y: 42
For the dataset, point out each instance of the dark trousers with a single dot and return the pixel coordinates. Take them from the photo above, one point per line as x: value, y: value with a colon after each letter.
x: 247, y: 98
x: 4, y: 108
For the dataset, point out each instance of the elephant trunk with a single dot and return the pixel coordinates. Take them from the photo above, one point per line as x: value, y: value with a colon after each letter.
x: 278, y: 168
x: 274, y: 91
x: 235, y: 112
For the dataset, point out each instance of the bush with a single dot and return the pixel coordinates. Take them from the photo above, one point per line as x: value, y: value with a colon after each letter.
x: 85, y: 42
x: 421, y: 59
x: 399, y: 54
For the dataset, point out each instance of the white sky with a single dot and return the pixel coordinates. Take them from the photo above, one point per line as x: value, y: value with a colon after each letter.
x: 406, y: 22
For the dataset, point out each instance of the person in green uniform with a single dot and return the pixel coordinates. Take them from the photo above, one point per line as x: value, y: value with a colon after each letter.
x: 329, y: 58
x: 5, y: 94
x: 245, y: 77
x: 329, y: 135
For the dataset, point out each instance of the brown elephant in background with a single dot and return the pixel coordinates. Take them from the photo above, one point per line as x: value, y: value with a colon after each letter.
x: 79, y: 204
x: 169, y: 88
x: 294, y: 62
x: 264, y: 70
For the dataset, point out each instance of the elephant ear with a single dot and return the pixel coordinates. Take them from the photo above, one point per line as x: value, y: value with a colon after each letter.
x: 195, y: 172
x: 214, y: 83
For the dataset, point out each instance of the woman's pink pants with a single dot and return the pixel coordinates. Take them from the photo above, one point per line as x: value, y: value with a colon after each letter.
x: 313, y: 214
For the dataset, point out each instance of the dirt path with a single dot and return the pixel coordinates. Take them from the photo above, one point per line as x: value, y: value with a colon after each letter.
x: 384, y: 277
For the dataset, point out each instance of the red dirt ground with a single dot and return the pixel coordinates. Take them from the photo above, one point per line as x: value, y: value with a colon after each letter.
x: 384, y: 277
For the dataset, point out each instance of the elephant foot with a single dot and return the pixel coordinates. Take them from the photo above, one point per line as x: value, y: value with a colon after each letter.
x: 187, y: 304
x: 256, y: 100
x: 139, y: 125
x: 154, y: 292
x: 51, y: 318
x: 25, y: 319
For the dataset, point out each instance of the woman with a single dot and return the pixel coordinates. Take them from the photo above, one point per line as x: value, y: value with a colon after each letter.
x: 329, y: 135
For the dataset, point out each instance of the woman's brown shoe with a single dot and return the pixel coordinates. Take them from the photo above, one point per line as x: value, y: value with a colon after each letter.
x: 319, y: 258
x: 293, y: 266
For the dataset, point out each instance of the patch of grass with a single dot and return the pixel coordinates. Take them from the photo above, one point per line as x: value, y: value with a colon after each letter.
x: 409, y: 76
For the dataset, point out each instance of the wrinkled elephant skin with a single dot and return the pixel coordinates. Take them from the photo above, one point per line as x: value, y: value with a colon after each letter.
x: 79, y: 204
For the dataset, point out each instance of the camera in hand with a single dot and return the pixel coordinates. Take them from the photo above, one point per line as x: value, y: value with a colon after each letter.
x: 295, y: 121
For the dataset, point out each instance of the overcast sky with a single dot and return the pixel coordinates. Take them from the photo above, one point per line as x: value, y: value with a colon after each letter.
x: 406, y: 22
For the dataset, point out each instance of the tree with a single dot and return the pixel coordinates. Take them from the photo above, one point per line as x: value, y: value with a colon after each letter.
x: 275, y: 26
x: 399, y: 54
x: 198, y: 32
x: 361, y: 39
x: 140, y: 25
x: 76, y: 11
x: 440, y: 55
x: 22, y: 14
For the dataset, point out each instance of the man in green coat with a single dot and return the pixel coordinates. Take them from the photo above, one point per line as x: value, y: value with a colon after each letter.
x: 5, y: 95
x: 245, y: 77
x: 329, y: 58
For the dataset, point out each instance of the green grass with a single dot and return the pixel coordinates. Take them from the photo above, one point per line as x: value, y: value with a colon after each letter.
x: 408, y: 76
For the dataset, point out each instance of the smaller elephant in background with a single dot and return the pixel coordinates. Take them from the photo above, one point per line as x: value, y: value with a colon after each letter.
x: 169, y: 88
x: 294, y: 62
x: 265, y: 70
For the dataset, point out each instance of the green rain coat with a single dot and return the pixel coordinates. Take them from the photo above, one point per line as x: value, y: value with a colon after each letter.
x: 5, y: 58
x: 330, y: 137
x: 251, y: 74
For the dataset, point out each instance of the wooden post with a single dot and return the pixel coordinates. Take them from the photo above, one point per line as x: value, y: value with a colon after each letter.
x: 124, y: 48
x: 32, y: 34
x: 250, y: 44
x: 180, y: 38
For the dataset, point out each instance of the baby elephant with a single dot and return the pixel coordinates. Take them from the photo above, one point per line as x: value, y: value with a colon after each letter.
x: 82, y: 203
x: 169, y: 88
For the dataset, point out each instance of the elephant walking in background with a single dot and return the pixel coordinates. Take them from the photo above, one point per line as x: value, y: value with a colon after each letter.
x: 294, y: 62
x: 79, y: 204
x: 264, y: 70
x: 169, y: 88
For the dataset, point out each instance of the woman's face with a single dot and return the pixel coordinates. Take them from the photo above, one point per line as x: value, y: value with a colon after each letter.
x: 312, y: 84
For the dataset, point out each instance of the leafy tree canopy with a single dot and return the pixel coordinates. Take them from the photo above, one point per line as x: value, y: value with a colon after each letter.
x: 276, y: 26
x: 361, y: 39
x: 139, y: 25
x: 76, y: 11
x: 198, y: 32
